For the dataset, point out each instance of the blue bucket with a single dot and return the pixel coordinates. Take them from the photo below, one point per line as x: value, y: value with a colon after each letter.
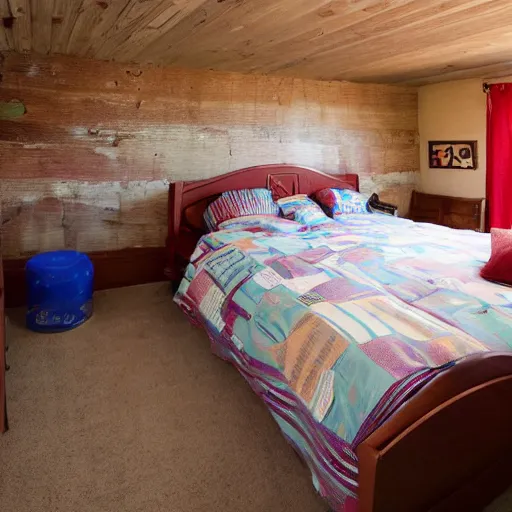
x: 59, y: 289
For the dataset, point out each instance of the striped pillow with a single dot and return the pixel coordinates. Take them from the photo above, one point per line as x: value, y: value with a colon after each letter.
x: 301, y: 208
x: 239, y: 203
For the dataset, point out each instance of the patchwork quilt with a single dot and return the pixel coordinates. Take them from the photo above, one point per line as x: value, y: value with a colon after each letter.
x: 337, y: 326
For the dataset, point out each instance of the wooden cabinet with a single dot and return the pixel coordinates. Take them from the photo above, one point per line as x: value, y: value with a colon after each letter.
x: 454, y: 212
x: 3, y: 413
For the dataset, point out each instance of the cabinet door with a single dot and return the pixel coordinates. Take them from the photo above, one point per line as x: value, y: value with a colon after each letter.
x: 463, y: 213
x: 426, y: 208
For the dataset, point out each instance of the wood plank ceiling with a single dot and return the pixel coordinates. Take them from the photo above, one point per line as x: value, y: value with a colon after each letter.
x: 389, y: 41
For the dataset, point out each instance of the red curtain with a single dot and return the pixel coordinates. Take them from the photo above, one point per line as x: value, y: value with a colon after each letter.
x: 499, y: 156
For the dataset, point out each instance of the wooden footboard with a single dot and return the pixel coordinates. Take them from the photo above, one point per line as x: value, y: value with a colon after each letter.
x: 449, y: 448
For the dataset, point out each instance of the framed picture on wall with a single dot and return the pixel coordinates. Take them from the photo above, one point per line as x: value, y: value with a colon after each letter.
x: 455, y: 154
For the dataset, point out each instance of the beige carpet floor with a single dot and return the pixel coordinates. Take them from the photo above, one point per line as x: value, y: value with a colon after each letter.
x: 131, y: 412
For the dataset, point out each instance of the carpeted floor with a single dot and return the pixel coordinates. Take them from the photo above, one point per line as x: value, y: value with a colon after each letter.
x: 131, y: 412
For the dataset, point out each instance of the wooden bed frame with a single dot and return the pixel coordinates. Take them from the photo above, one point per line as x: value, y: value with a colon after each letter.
x: 449, y: 448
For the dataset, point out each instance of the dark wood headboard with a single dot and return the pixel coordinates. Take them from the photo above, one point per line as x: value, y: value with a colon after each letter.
x: 189, y: 199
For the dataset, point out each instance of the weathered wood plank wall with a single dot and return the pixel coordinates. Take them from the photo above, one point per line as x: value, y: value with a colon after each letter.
x: 86, y: 163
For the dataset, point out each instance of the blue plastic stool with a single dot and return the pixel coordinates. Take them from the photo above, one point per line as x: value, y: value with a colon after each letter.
x: 59, y: 285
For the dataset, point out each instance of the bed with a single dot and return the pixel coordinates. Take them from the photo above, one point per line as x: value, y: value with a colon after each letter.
x: 428, y: 427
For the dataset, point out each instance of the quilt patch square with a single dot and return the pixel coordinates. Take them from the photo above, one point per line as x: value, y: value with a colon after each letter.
x: 310, y: 298
x: 229, y: 267
x: 293, y: 266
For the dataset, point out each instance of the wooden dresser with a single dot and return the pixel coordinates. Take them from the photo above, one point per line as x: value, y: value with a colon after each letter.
x: 3, y: 413
x: 454, y: 212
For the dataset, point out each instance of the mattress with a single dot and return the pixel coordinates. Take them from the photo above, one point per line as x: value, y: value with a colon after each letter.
x: 337, y: 326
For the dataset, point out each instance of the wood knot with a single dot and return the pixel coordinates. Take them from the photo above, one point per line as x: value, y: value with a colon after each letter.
x: 8, y: 21
x: 326, y: 13
x: 136, y: 74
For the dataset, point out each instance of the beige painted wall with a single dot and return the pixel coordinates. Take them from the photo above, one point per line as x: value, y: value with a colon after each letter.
x: 453, y: 110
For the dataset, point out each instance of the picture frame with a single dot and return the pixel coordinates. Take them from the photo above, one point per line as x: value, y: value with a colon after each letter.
x: 452, y: 154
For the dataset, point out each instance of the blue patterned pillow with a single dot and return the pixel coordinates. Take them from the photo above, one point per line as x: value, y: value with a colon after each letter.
x: 239, y: 203
x: 337, y: 201
x: 301, y: 208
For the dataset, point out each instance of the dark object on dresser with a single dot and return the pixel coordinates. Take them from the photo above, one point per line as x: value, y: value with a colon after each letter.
x: 375, y: 205
x: 454, y: 212
x: 3, y: 411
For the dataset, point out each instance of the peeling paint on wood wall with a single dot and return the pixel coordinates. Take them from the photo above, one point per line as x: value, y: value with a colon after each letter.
x: 87, y: 162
